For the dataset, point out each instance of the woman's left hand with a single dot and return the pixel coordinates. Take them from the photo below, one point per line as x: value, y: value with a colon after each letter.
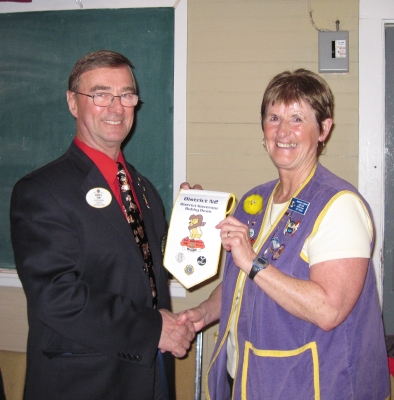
x: 235, y: 238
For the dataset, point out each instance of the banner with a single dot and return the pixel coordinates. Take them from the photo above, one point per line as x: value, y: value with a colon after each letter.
x: 193, y: 243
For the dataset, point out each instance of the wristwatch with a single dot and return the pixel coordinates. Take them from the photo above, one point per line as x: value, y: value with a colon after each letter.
x: 258, y: 264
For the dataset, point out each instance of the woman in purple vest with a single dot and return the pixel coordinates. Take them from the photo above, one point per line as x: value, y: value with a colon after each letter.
x: 298, y: 305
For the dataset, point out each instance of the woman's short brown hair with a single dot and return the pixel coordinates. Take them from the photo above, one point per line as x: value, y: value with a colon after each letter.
x: 289, y: 87
x: 98, y: 59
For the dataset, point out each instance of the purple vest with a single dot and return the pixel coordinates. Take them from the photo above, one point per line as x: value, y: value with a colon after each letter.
x: 282, y: 356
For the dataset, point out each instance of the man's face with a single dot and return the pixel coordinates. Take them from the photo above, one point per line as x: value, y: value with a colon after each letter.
x: 102, y: 128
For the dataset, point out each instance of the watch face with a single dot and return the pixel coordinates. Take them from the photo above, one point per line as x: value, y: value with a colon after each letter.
x: 259, y: 263
x: 263, y: 261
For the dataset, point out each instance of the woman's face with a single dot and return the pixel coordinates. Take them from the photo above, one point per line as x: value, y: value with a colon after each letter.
x: 291, y: 135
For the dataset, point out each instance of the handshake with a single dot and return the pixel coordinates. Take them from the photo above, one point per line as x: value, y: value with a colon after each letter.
x: 179, y: 330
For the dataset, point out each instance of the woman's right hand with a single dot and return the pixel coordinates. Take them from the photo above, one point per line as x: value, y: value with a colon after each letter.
x: 195, y: 315
x: 206, y: 313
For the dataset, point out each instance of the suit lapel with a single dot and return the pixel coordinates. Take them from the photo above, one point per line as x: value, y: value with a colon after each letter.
x: 113, y: 213
x: 94, y: 179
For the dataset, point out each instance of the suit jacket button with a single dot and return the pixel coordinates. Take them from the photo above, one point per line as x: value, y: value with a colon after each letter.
x: 138, y: 358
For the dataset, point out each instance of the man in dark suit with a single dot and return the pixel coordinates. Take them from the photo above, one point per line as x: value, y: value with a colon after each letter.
x: 99, y: 325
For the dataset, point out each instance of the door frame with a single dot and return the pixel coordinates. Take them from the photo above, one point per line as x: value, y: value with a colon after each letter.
x: 373, y: 16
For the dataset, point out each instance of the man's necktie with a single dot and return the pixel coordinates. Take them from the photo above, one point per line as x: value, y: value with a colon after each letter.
x: 137, y: 225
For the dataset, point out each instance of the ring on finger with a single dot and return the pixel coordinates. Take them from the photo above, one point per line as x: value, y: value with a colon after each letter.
x: 228, y: 233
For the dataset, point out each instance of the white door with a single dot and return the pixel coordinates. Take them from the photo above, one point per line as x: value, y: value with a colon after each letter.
x: 388, y: 241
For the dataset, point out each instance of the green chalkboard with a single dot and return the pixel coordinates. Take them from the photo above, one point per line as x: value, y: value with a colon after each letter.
x: 37, y: 53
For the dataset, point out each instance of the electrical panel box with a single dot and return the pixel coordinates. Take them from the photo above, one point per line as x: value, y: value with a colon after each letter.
x: 333, y: 51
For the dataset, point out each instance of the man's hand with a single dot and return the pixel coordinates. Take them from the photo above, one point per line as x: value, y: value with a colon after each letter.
x: 186, y: 185
x: 175, y: 338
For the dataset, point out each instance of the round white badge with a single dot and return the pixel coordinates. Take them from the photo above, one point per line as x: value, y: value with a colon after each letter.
x: 98, y: 197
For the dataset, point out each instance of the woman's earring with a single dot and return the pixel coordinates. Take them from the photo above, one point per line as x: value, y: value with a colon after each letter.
x: 263, y: 143
x: 320, y: 147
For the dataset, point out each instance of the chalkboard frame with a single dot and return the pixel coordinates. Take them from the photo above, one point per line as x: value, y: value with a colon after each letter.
x: 9, y: 277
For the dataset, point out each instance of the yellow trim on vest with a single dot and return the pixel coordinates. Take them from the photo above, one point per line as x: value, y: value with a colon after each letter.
x: 281, y: 353
x: 306, y: 259
x: 324, y: 212
x: 240, y: 281
x: 260, y: 239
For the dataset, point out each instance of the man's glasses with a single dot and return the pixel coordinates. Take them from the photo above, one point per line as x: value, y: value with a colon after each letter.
x: 106, y: 99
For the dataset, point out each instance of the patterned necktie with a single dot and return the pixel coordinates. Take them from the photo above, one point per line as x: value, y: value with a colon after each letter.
x: 137, y: 225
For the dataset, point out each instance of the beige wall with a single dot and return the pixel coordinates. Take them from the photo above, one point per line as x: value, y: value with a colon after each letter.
x: 13, y: 335
x: 234, y: 48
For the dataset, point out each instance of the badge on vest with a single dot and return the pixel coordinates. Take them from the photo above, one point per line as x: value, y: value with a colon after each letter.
x: 98, y: 197
x: 299, y: 206
x: 276, y: 248
x: 291, y: 227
